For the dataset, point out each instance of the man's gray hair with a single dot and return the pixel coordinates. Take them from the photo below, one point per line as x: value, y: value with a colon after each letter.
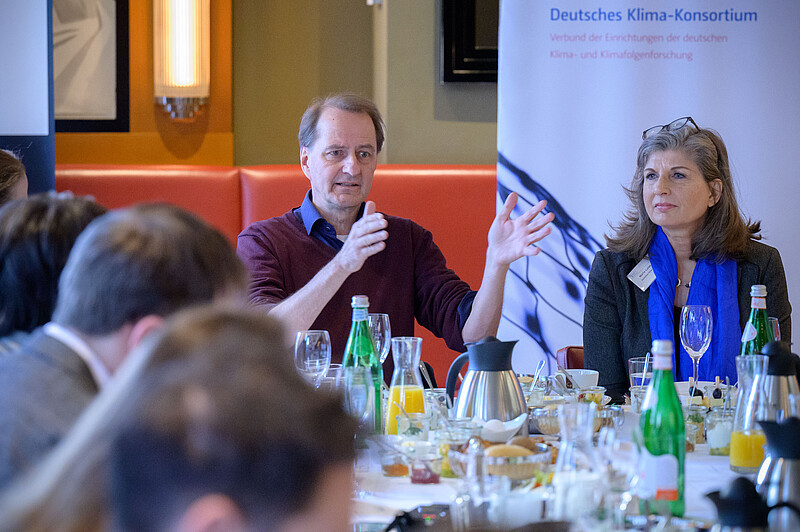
x: 346, y: 101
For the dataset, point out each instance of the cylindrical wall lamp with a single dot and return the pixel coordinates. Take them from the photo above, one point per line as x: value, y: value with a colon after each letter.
x: 181, y: 55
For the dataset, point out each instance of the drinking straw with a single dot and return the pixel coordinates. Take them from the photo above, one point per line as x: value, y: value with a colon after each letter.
x: 644, y: 370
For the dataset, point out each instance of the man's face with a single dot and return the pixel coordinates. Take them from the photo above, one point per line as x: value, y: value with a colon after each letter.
x: 341, y: 162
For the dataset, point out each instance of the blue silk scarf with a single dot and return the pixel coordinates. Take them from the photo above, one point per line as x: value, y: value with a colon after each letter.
x: 713, y: 284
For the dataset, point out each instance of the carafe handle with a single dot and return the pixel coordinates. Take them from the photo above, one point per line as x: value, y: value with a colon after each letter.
x: 785, y: 504
x: 452, y: 375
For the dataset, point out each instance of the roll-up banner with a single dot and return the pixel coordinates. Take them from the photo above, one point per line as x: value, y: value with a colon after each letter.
x: 580, y: 81
x: 27, y: 122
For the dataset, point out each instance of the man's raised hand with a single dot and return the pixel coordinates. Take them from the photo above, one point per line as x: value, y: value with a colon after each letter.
x: 367, y: 237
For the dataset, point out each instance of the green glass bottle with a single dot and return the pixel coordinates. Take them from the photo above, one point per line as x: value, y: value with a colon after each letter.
x: 360, y: 351
x: 661, y: 480
x: 757, y: 333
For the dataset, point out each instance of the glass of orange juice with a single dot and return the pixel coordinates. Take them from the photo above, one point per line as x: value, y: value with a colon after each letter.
x: 747, y: 450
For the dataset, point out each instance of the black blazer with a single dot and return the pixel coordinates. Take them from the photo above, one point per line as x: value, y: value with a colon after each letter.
x: 616, y: 326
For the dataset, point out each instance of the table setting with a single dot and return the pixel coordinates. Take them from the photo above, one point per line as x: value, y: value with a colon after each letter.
x: 551, y: 451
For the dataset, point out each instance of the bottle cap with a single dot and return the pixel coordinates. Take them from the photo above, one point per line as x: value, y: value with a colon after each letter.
x: 662, y: 347
x: 758, y: 290
x: 359, y: 301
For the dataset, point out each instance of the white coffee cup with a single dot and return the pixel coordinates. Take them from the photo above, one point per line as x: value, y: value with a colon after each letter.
x: 584, y: 377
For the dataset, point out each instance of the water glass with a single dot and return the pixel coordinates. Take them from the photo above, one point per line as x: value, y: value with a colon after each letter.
x: 436, y: 403
x: 776, y: 328
x: 359, y: 393
x: 640, y: 370
x: 637, y: 398
x: 620, y: 464
x: 332, y: 382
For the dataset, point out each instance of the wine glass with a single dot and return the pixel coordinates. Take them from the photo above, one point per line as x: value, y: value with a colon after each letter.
x: 696, y: 324
x: 312, y: 354
x: 381, y: 333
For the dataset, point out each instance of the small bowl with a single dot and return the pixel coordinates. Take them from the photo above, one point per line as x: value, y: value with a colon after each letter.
x: 473, y: 425
x: 611, y: 416
x: 512, y: 467
x: 545, y: 420
x: 500, y: 432
x: 393, y: 464
x: 594, y: 394
x: 425, y: 469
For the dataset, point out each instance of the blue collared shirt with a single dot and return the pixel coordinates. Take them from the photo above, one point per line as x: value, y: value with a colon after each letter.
x: 317, y: 226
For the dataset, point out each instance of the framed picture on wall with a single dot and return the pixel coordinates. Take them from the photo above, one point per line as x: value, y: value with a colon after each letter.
x: 90, y: 65
x: 469, y: 40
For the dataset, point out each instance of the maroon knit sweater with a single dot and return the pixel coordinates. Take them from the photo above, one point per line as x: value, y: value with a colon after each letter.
x: 408, y: 279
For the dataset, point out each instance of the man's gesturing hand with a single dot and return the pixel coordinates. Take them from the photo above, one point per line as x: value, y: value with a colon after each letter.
x: 511, y: 239
x: 367, y: 237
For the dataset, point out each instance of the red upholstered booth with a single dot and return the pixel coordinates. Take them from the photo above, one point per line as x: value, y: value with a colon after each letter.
x: 455, y: 202
x: 212, y: 192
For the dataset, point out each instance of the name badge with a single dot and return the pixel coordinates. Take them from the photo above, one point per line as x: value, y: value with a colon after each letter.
x: 642, y: 274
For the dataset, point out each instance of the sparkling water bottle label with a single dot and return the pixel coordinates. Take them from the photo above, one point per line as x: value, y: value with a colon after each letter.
x: 658, y: 479
x: 359, y: 314
x: 758, y: 302
x: 749, y: 332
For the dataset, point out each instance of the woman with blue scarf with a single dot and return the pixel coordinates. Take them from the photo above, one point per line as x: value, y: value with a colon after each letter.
x: 682, y: 242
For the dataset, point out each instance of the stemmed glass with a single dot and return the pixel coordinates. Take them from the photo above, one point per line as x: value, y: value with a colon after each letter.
x: 696, y: 324
x: 381, y: 333
x: 312, y: 354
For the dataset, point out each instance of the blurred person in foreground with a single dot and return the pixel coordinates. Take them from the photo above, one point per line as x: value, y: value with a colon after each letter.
x: 128, y: 270
x: 685, y: 221
x: 36, y: 236
x: 13, y: 179
x: 208, y: 426
x: 348, y: 248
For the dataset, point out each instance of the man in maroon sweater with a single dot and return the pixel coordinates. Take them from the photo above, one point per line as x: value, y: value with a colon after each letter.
x: 307, y: 263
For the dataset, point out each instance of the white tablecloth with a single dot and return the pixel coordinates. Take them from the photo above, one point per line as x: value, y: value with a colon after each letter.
x: 384, y: 497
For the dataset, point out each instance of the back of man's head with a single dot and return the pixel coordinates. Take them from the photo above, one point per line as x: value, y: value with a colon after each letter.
x: 238, y: 424
x: 145, y: 260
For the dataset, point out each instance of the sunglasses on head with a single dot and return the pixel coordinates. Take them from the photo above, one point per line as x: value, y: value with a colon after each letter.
x: 675, y: 125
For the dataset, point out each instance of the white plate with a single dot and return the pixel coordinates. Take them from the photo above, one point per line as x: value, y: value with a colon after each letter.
x: 401, y: 488
x: 683, y: 386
